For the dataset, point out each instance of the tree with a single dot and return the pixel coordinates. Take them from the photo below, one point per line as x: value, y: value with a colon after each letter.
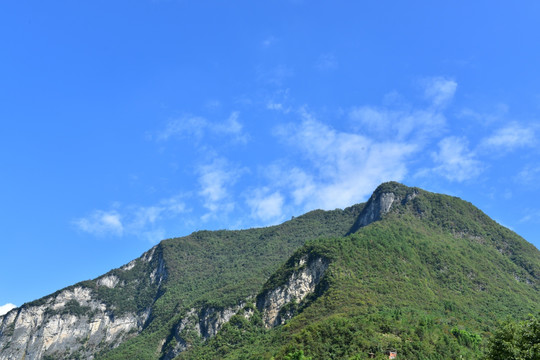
x: 297, y: 355
x: 516, y: 341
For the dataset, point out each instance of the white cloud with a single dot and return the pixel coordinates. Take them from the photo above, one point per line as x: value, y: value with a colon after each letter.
x: 455, y: 161
x: 195, y: 128
x: 346, y: 167
x: 143, y: 216
x: 439, y: 90
x: 187, y: 126
x: 279, y: 101
x: 498, y: 112
x: 529, y: 175
x: 533, y: 216
x: 4, y: 309
x: 277, y: 107
x: 511, y: 137
x: 215, y: 179
x: 141, y: 221
x: 266, y: 206
x: 153, y: 236
x: 101, y: 223
x: 402, y: 121
x: 413, y: 125
x: 231, y: 127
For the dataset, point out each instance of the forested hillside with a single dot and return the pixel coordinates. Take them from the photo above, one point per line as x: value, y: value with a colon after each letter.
x: 424, y: 275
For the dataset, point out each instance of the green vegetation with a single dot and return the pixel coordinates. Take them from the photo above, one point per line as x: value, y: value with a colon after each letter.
x: 429, y: 287
x: 430, y: 280
x: 516, y: 340
x: 220, y: 268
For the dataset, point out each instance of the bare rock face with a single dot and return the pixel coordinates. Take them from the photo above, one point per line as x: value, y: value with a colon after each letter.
x: 381, y: 202
x: 376, y: 208
x: 74, y: 322
x: 300, y: 284
x: 203, y: 323
x: 70, y: 322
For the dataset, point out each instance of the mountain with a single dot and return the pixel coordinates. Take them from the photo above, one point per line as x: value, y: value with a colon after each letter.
x: 424, y: 274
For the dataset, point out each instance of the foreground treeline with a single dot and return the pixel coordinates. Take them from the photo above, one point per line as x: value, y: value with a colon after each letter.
x: 516, y: 340
x: 342, y: 338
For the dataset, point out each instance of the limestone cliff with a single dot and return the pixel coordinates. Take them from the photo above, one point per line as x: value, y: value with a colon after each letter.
x: 381, y: 202
x: 202, y: 323
x: 300, y: 283
x: 81, y: 320
x: 273, y: 305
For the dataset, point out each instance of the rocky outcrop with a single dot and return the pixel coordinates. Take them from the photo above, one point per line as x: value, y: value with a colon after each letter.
x: 382, y: 201
x: 71, y: 322
x: 275, y: 304
x: 376, y: 208
x: 78, y: 321
x: 202, y: 323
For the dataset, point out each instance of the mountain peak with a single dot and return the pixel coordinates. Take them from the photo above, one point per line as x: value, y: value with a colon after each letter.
x: 381, y: 201
x: 395, y: 188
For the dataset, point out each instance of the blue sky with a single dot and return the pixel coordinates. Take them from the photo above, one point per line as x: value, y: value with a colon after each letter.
x: 127, y: 122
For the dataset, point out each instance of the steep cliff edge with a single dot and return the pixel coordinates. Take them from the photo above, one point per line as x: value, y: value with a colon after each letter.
x: 278, y: 304
x: 83, y: 319
x: 381, y: 201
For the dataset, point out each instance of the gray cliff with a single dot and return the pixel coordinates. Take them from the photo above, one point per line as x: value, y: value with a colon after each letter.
x: 79, y: 321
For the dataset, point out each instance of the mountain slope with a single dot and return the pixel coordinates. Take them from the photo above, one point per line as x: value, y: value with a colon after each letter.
x: 430, y: 280
x: 425, y: 274
x: 146, y: 299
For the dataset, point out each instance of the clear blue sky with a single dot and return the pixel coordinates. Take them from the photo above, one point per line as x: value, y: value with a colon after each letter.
x: 127, y: 122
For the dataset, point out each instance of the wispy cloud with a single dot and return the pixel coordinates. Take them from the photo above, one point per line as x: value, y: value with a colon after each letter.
x: 266, y: 205
x: 345, y: 166
x: 196, y: 127
x: 187, y: 126
x: 529, y: 175
x: 4, y: 309
x: 383, y: 123
x: 101, y: 223
x: 215, y: 180
x: 279, y: 101
x: 532, y: 216
x: 232, y: 127
x: 439, y: 90
x: 142, y: 221
x: 398, y: 120
x: 498, y: 113
x: 455, y: 161
x: 511, y: 137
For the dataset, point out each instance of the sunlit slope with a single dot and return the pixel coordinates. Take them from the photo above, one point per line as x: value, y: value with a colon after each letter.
x: 430, y: 280
x: 221, y: 268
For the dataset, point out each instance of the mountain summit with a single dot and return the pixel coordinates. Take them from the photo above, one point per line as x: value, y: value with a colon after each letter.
x: 410, y: 272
